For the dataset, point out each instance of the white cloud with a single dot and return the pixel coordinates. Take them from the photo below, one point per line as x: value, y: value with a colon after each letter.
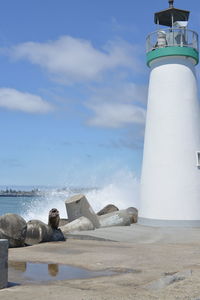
x: 118, y: 105
x: 115, y: 115
x: 29, y: 103
x: 115, y: 102
x: 72, y: 60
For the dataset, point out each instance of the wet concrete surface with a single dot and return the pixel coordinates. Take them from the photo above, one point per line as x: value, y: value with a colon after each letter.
x: 153, y: 253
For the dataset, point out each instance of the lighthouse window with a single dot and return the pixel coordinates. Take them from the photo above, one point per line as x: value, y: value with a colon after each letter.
x: 198, y: 159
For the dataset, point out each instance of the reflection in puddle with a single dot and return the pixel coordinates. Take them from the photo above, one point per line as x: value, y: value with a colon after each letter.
x: 53, y: 269
x: 39, y: 272
x: 18, y: 265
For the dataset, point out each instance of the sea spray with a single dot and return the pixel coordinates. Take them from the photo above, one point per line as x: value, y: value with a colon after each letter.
x: 121, y: 190
x: 38, y: 208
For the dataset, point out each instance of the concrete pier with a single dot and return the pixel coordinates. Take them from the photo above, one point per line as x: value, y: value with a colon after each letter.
x: 3, y: 263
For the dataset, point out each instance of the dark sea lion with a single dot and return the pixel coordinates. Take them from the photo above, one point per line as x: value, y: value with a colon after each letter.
x: 54, y: 218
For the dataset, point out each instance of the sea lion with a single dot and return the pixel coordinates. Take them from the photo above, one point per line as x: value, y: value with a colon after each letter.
x: 54, y: 218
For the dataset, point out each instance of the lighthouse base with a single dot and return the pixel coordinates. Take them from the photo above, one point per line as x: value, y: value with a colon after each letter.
x: 168, y: 223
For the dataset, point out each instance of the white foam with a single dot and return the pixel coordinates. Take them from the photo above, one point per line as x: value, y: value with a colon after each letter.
x: 121, y: 190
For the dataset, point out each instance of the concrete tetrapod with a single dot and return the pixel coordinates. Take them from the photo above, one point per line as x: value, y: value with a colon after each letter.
x: 78, y: 206
x: 3, y: 263
x: 107, y: 209
x: 79, y: 224
x: 116, y: 218
x: 133, y: 212
x: 63, y: 221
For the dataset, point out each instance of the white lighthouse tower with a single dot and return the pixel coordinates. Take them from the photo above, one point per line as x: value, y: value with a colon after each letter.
x: 170, y: 182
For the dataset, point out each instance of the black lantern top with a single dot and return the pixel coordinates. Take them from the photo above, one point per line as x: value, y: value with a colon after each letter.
x: 169, y: 16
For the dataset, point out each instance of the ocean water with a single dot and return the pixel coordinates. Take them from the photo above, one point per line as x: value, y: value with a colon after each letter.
x: 121, y: 190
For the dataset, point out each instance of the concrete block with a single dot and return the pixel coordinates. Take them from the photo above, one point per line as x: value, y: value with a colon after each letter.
x: 116, y: 218
x: 63, y: 221
x: 133, y: 212
x: 79, y: 224
x: 107, y: 209
x: 3, y: 263
x: 78, y: 206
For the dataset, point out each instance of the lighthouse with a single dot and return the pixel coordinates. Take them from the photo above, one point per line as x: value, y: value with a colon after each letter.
x: 170, y: 180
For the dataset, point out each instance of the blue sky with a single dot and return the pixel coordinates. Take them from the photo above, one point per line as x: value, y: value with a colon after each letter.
x: 73, y: 88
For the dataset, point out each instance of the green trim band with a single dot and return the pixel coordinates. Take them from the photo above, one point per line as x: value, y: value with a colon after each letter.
x: 172, y: 51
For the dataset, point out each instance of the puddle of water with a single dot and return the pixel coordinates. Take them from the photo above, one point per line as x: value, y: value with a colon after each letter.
x: 27, y: 272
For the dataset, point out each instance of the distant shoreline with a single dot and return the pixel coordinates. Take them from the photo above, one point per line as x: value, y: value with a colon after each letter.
x: 9, y: 192
x: 19, y: 195
x: 14, y: 193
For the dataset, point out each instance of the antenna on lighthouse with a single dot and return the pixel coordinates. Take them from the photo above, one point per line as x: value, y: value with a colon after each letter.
x: 171, y: 3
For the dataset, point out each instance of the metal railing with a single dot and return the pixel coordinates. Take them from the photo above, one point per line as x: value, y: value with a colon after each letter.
x: 178, y: 37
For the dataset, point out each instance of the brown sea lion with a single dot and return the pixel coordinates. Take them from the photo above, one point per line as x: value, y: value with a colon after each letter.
x: 54, y: 218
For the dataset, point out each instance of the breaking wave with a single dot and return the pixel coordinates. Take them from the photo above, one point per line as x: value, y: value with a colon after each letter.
x: 121, y: 190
